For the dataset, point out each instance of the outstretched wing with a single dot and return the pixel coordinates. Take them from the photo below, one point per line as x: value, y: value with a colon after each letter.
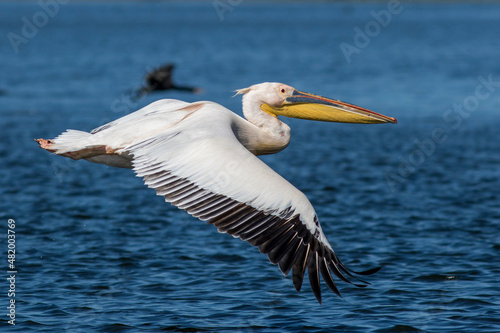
x: 214, y: 178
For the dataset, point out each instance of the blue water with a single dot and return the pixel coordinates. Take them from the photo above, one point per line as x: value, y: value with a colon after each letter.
x: 97, y: 251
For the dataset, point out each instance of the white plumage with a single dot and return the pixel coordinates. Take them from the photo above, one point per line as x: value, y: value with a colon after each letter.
x: 201, y: 158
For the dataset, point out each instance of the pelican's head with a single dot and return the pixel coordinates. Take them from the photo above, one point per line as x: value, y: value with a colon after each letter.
x: 279, y: 99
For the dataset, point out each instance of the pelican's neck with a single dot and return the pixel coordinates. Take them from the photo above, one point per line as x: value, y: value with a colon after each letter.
x: 254, y: 114
x: 273, y: 136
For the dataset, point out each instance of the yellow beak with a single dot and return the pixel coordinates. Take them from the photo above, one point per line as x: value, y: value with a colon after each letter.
x: 308, y: 106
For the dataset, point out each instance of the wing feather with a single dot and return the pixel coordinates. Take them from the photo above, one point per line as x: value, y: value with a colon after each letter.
x: 277, y: 253
x: 325, y: 273
x: 290, y: 257
x: 277, y: 240
x: 312, y: 269
x: 299, y: 266
x: 230, y: 222
x: 245, y: 222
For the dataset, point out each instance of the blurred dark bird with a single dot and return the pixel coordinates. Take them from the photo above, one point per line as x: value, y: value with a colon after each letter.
x: 161, y: 79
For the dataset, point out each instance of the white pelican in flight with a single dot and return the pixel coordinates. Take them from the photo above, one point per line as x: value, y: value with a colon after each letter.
x: 201, y: 157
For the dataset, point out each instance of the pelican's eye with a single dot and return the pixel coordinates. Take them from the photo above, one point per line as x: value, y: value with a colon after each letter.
x: 283, y: 90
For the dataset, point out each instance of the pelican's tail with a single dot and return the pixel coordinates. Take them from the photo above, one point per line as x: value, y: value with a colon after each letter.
x: 74, y: 144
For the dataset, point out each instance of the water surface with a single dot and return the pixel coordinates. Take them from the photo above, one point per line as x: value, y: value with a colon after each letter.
x: 97, y: 251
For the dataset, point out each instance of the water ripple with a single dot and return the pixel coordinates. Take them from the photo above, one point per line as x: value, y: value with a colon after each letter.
x: 99, y: 252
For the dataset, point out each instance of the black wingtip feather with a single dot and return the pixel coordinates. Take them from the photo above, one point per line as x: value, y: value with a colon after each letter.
x: 328, y: 277
x: 286, y: 263
x: 297, y: 278
x: 299, y: 267
x: 276, y: 254
x: 312, y: 269
x: 276, y: 241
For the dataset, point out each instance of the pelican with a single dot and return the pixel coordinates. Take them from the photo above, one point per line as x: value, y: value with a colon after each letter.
x: 202, y: 158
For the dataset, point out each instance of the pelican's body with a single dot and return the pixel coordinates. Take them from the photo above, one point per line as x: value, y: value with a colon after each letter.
x: 201, y: 157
